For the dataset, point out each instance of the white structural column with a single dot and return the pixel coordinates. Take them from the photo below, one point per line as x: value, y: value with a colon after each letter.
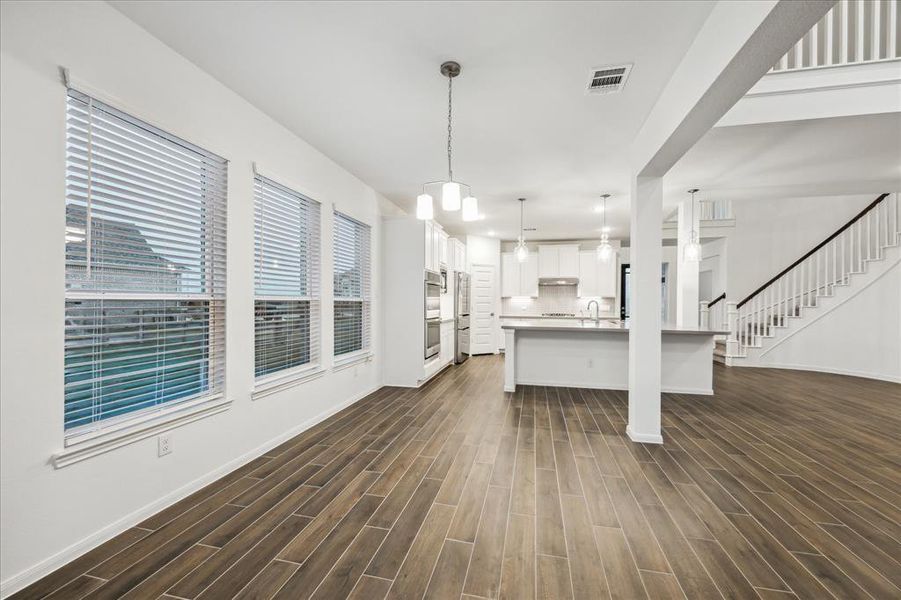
x: 645, y: 341
x: 687, y: 272
x: 738, y: 43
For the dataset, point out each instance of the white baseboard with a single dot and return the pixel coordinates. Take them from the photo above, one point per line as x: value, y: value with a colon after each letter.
x: 817, y: 369
x: 48, y: 565
x: 643, y: 438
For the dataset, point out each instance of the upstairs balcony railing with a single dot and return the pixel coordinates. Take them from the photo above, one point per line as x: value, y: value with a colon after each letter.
x: 852, y: 32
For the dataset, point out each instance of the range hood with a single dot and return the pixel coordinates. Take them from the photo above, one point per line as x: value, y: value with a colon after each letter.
x: 558, y: 281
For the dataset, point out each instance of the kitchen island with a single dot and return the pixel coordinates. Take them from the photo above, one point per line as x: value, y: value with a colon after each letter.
x: 590, y: 354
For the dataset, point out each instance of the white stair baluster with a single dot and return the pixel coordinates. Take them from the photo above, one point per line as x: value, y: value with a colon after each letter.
x: 861, y: 30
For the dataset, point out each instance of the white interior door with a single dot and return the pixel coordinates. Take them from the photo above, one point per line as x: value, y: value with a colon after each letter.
x: 481, y: 319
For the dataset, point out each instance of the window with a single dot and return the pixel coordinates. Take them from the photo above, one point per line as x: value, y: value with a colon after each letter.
x: 286, y: 252
x: 351, y: 239
x: 145, y: 269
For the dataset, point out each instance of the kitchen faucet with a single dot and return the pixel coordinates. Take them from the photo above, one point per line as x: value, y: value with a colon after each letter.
x: 597, y: 311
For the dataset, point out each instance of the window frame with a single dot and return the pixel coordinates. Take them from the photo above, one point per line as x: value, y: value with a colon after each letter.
x: 364, y: 353
x: 93, y: 437
x: 278, y: 380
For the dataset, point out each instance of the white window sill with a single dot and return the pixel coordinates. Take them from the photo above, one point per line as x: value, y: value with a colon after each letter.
x: 350, y: 360
x: 103, y: 441
x: 271, y: 385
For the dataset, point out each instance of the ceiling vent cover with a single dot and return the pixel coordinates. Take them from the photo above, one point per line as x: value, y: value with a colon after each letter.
x: 607, y: 80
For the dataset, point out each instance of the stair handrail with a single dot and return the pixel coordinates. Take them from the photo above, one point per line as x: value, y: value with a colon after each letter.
x: 812, y: 251
x: 717, y: 299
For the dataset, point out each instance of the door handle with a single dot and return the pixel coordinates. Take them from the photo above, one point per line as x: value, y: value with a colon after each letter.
x: 492, y: 314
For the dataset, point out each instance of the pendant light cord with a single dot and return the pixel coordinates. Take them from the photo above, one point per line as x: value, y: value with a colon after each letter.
x: 692, y: 213
x: 450, y: 115
x: 522, y: 236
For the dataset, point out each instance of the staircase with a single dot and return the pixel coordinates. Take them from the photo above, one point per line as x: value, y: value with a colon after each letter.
x: 831, y: 273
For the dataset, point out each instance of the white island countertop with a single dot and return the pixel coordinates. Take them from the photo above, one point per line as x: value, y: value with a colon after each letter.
x: 589, y: 325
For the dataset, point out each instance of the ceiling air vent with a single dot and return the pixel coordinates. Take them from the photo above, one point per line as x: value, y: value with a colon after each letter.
x: 607, y: 80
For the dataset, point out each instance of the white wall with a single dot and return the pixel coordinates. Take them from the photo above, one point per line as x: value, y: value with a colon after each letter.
x: 713, y: 260
x: 862, y: 336
x: 857, y: 332
x: 770, y: 234
x: 46, y: 515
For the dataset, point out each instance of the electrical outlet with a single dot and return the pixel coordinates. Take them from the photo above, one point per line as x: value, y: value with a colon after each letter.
x: 164, y: 445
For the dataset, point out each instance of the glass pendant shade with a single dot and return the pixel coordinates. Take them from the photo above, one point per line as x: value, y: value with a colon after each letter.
x: 470, y: 209
x: 692, y: 250
x: 450, y: 196
x: 604, y: 250
x: 522, y: 252
x: 424, y: 208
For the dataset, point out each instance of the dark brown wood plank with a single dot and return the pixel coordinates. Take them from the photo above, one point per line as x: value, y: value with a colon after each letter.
x: 469, y: 510
x: 549, y: 520
x: 450, y: 571
x: 212, y: 581
x: 488, y: 552
x: 268, y: 581
x: 413, y: 576
x: 552, y: 578
x: 302, y: 584
x: 518, y: 569
x: 347, y: 571
x: 587, y: 579
x: 622, y: 574
x: 390, y: 556
x: 299, y: 549
x: 83, y: 564
x: 370, y: 588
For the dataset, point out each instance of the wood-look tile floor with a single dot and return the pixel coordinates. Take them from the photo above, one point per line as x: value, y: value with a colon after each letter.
x: 784, y: 485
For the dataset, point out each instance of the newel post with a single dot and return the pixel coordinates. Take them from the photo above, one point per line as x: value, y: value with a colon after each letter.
x: 732, y: 321
x: 705, y: 314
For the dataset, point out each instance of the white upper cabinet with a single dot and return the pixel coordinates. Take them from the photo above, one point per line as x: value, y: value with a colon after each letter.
x: 442, y: 247
x: 596, y: 278
x: 509, y: 275
x: 558, y: 260
x: 528, y: 276
x: 435, y: 246
x: 588, y: 274
x: 429, y: 246
x: 456, y: 255
x: 519, y: 279
x: 548, y: 261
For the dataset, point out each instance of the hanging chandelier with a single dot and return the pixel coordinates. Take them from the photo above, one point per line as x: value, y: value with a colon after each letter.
x: 451, y: 191
x: 604, y: 249
x: 522, y: 251
x: 692, y: 250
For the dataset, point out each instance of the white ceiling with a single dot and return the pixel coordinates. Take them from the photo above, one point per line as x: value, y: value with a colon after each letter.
x: 821, y: 157
x: 360, y: 81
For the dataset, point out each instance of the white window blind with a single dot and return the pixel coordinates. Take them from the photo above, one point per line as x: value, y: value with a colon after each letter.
x: 145, y: 268
x: 352, y: 285
x: 287, y: 257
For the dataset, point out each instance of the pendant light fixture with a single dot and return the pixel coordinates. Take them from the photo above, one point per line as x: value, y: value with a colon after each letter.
x: 692, y: 250
x: 604, y: 249
x: 451, y: 191
x: 522, y: 252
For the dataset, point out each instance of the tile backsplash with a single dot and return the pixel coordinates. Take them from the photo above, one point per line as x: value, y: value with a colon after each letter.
x: 556, y: 299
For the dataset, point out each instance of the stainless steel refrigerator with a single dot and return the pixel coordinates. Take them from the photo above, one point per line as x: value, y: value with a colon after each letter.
x: 461, y: 317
